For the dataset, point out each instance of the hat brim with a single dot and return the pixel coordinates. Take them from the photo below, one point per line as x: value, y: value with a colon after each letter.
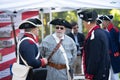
x: 36, y: 21
x: 27, y: 24
x: 61, y: 22
x: 106, y: 17
x: 88, y: 16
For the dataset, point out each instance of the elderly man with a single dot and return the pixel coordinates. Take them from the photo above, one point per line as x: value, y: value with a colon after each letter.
x: 60, y: 62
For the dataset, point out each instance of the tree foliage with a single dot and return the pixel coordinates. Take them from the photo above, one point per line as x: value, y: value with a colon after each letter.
x: 72, y: 16
x: 116, y: 14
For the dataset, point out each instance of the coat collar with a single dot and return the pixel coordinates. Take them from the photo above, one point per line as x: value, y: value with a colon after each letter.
x: 110, y: 26
x: 89, y: 33
x: 31, y: 35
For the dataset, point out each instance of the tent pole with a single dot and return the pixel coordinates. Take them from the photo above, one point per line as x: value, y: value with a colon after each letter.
x: 42, y: 32
x: 80, y: 24
x: 50, y: 20
x: 80, y: 21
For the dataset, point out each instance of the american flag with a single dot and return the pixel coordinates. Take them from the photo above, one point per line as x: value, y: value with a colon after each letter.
x: 7, y: 50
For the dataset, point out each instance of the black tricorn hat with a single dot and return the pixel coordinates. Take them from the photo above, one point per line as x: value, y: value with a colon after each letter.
x: 101, y: 17
x: 107, y: 17
x: 99, y: 21
x: 30, y: 23
x: 62, y: 22
x: 88, y: 16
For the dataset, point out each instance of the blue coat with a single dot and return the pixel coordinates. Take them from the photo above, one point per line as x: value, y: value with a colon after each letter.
x: 29, y: 50
x: 96, y: 60
x: 114, y: 41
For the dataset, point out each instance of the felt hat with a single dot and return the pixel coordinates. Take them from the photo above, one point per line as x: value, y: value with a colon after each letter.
x: 62, y: 22
x: 30, y: 23
x: 88, y: 16
x: 106, y: 17
x: 99, y: 20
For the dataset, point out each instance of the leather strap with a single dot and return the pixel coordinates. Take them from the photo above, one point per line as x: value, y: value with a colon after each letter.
x: 57, y: 66
x: 54, y: 50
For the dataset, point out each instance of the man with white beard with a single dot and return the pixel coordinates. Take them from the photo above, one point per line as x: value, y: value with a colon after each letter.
x: 59, y: 64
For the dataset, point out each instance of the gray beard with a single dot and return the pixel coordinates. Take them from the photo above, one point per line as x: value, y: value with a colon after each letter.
x: 59, y: 35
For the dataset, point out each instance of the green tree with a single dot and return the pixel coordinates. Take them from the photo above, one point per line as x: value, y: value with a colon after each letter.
x: 67, y: 15
x: 116, y: 14
x: 72, y: 16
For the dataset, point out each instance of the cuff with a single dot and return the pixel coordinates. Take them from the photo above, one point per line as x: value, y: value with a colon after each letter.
x: 42, y: 62
x: 89, y: 76
x: 116, y: 54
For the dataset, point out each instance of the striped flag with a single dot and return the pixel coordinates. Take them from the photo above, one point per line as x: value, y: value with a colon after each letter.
x: 7, y: 43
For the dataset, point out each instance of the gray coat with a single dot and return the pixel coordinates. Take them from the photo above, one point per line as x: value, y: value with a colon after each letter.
x: 47, y: 46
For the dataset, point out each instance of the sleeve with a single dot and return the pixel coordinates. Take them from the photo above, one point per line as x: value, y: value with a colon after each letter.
x: 115, y: 41
x: 74, y: 52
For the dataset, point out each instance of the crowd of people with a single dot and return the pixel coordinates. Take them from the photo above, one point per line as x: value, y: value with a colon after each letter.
x: 64, y: 54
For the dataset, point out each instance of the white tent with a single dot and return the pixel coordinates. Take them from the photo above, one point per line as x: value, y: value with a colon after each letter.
x: 17, y: 5
x: 48, y: 6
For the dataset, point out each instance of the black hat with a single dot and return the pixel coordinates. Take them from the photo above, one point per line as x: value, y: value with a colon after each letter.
x: 88, y: 16
x: 62, y: 22
x: 107, y: 17
x: 101, y: 17
x: 99, y: 21
x: 30, y: 23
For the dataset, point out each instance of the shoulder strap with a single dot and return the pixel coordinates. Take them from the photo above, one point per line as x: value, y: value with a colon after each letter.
x: 55, y: 49
x: 66, y: 59
x: 19, y: 52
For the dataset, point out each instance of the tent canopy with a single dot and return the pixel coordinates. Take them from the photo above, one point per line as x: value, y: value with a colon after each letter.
x: 17, y: 5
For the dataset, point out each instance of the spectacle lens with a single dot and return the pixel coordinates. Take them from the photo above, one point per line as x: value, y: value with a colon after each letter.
x: 60, y: 28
